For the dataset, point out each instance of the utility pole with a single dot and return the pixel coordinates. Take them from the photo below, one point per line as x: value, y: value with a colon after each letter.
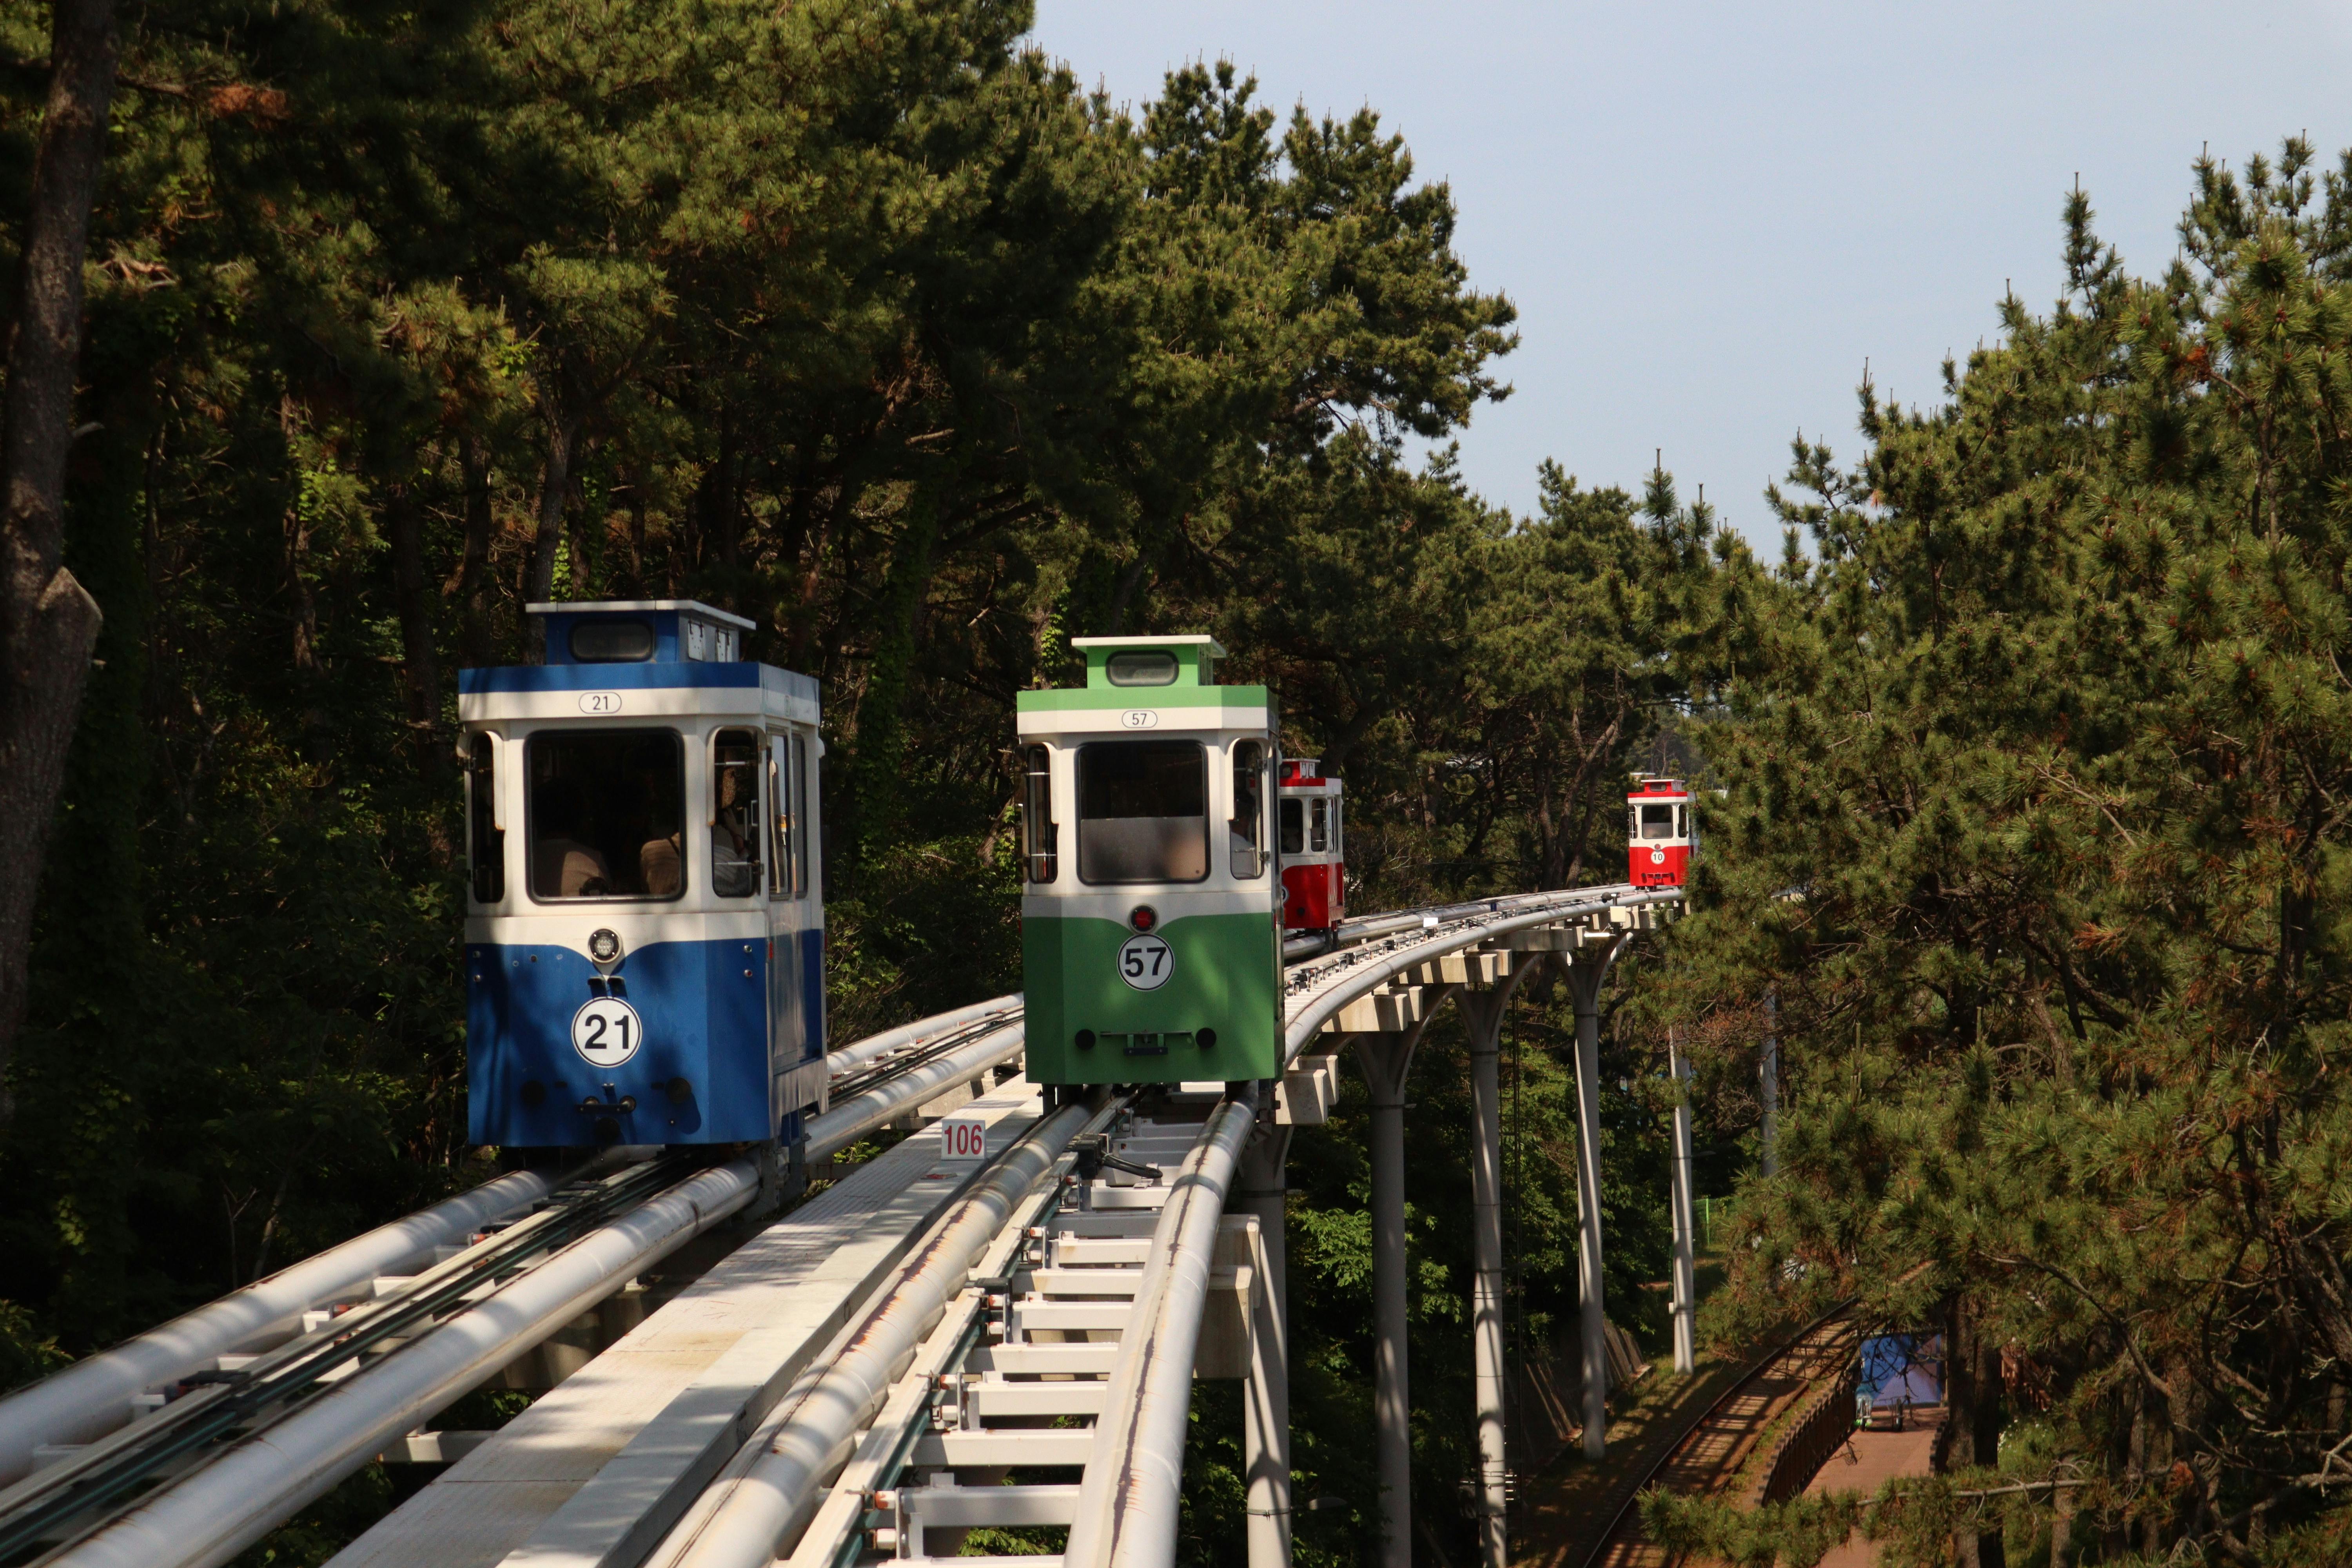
x: 1685, y: 1281
x: 1586, y: 971
x: 1484, y: 1004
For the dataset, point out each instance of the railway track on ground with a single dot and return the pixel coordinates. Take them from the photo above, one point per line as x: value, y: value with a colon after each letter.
x: 1711, y: 1450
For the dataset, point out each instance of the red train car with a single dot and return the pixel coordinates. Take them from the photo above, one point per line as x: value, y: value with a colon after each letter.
x: 1661, y: 833
x: 1314, y: 864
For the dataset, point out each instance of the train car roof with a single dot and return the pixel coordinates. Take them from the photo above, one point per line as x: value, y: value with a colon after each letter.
x: 624, y: 606
x: 1201, y: 640
x: 668, y: 689
x: 1175, y: 687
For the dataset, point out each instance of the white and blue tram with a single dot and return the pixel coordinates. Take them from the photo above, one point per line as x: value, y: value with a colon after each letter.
x: 645, y: 922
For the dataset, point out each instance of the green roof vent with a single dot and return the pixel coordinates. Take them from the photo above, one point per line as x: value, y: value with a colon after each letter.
x: 1130, y: 663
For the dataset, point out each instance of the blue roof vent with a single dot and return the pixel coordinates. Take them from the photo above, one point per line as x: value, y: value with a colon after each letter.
x: 639, y: 631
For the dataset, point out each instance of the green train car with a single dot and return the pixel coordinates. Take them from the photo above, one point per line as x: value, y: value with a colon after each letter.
x: 1151, y: 928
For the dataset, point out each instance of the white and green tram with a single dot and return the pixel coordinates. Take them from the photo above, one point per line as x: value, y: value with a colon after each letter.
x: 1151, y: 928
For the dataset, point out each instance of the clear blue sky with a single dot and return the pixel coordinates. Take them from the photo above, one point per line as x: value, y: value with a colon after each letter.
x: 1709, y: 216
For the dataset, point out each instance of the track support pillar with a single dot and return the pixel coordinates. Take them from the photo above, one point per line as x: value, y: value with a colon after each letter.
x: 1482, y: 1016
x: 1586, y: 971
x: 1260, y: 1187
x: 1685, y: 1280
x: 1387, y: 1060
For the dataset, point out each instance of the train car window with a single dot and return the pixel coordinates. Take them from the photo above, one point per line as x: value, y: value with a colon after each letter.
x: 1337, y: 847
x: 798, y: 783
x: 803, y: 784
x: 1040, y: 833
x: 1319, y: 825
x: 1657, y: 822
x: 1247, y: 828
x: 1143, y: 812
x: 612, y: 642
x: 735, y: 828
x: 782, y: 824
x: 1682, y: 822
x: 607, y: 813
x: 1294, y: 828
x: 485, y: 841
x: 1633, y: 822
x: 1152, y: 668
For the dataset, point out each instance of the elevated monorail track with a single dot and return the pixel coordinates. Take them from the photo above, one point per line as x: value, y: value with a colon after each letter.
x: 1018, y: 1303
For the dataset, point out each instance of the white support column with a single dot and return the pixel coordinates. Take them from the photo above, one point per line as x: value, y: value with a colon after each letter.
x: 1585, y: 973
x: 1482, y: 1016
x: 1387, y: 1060
x: 1685, y: 1281
x: 1260, y: 1189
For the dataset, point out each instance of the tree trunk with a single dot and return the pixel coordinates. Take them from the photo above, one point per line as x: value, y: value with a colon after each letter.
x: 881, y: 712
x: 1124, y: 594
x: 637, y: 537
x: 479, y: 636
x: 420, y: 669
x: 720, y: 499
x: 554, y: 484
x: 1972, y: 1395
x: 49, y: 624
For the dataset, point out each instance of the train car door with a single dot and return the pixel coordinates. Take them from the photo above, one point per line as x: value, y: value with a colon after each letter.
x: 796, y: 922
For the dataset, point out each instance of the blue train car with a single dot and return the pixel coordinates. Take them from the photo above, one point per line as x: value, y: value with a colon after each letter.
x: 644, y: 925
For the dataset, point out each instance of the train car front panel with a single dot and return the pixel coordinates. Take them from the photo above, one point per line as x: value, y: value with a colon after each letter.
x: 645, y: 930
x: 1314, y: 856
x: 668, y: 1070
x: 1150, y: 937
x: 1660, y: 834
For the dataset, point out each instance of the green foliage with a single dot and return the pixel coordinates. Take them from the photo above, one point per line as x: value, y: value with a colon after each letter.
x: 2036, y: 830
x: 867, y: 322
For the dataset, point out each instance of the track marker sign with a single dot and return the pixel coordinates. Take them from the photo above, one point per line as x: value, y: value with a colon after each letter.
x: 963, y: 1140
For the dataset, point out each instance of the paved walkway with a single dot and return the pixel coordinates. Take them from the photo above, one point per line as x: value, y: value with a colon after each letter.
x: 1867, y: 1463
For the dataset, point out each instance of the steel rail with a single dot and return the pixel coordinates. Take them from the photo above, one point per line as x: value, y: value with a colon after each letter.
x: 242, y: 1406
x: 1365, y: 927
x: 1129, y: 1502
x: 1366, y: 968
x: 782, y: 1489
x: 47, y: 1503
x: 972, y: 1039
x: 90, y: 1398
x: 93, y: 1397
x: 910, y: 1087
x: 874, y: 1074
x: 858, y: 1054
x: 841, y: 1505
x: 210, y: 1516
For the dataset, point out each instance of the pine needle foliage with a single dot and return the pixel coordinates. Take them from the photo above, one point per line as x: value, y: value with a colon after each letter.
x: 2040, y: 769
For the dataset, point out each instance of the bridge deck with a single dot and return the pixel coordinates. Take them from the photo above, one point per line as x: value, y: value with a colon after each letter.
x: 613, y: 1452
